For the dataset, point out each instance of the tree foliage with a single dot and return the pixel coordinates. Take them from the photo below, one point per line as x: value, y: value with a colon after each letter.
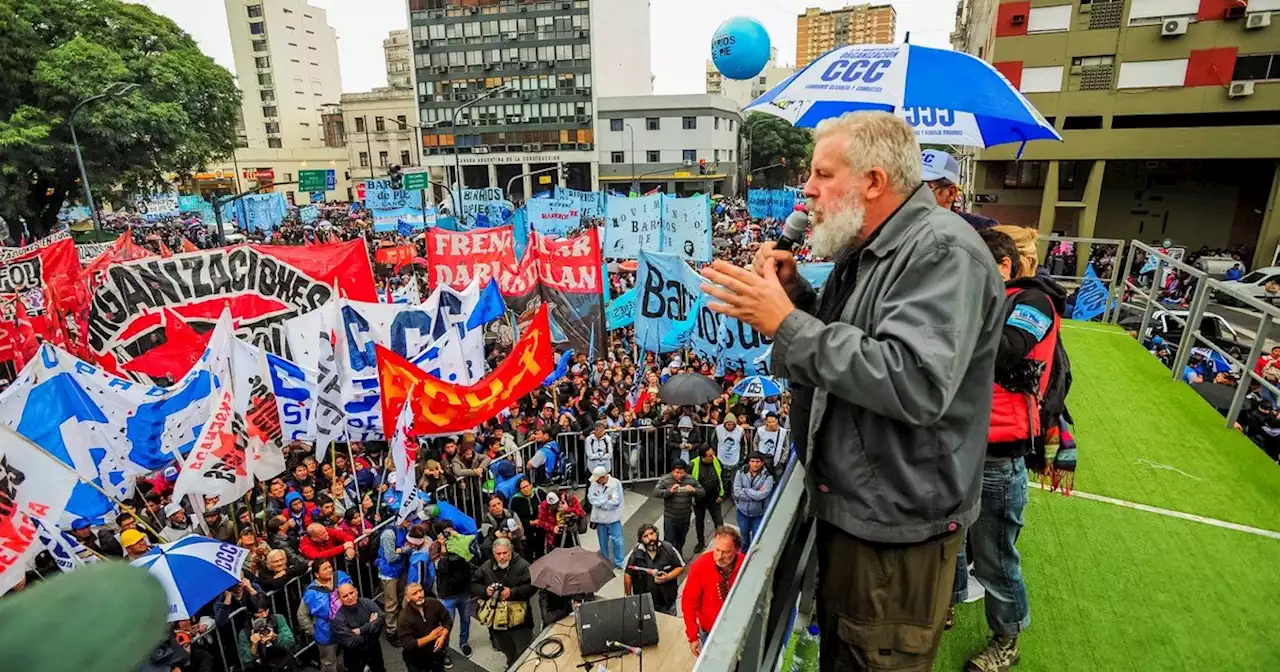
x: 58, y: 52
x: 772, y: 140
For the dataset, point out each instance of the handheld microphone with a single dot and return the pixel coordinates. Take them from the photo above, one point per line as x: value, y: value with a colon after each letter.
x: 793, y: 230
x: 634, y: 650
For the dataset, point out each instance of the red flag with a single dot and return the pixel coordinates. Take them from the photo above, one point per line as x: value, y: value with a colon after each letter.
x: 175, y: 357
x: 188, y: 246
x: 165, y: 252
x: 445, y: 408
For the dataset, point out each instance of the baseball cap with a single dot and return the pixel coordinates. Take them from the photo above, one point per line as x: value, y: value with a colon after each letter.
x: 939, y: 165
x: 600, y: 471
x: 171, y: 508
x: 553, y: 498
x: 130, y: 537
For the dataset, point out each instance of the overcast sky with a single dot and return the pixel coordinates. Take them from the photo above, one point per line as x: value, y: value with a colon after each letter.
x: 681, y: 32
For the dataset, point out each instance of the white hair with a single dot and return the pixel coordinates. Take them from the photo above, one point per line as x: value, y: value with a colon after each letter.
x: 876, y: 139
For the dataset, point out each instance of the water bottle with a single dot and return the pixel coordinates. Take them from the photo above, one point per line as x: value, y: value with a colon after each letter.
x: 805, y: 658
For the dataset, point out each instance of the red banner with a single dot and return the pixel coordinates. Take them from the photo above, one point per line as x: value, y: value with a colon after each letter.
x: 42, y: 287
x: 569, y: 265
x: 262, y: 284
x: 456, y: 258
x: 393, y: 256
x: 444, y: 408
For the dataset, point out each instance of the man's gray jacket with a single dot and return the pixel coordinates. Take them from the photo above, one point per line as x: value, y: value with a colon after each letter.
x: 902, y: 381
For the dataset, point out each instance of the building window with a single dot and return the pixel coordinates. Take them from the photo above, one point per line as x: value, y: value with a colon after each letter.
x: 690, y: 155
x: 730, y: 125
x: 288, y: 177
x: 689, y: 123
x: 401, y: 121
x: 615, y: 124
x: 262, y: 62
x: 715, y: 123
x: 382, y: 159
x: 272, y: 127
x: 731, y: 155
x: 264, y: 80
x: 269, y: 111
x: 364, y: 159
x: 259, y: 45
x: 254, y: 11
x: 268, y: 96
x: 359, y: 124
x: 1254, y: 67
x: 651, y: 124
x: 716, y: 156
x: 274, y: 143
x: 379, y: 125
x: 404, y: 157
x: 616, y: 157
x: 653, y: 156
x: 257, y: 28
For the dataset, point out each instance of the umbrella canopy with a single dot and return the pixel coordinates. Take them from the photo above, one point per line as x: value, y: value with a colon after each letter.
x: 571, y: 571
x: 689, y: 389
x: 758, y: 386
x: 1218, y: 395
x: 948, y: 97
x: 193, y: 571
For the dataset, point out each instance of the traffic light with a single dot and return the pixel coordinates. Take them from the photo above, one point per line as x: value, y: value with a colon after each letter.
x: 393, y: 172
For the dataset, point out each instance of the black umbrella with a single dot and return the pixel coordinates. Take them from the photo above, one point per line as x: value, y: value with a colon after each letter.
x: 689, y: 389
x: 571, y: 571
x: 1218, y: 395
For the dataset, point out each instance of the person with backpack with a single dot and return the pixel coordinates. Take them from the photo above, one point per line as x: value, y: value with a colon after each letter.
x: 1023, y: 367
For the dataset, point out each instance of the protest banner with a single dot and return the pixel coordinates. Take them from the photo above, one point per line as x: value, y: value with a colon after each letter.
x: 32, y: 486
x: 632, y: 225
x: 378, y: 195
x: 686, y: 227
x: 458, y: 257
x: 590, y: 203
x: 442, y: 408
x: 571, y: 283
x: 621, y: 312
x: 1091, y: 298
x: 554, y: 217
x: 668, y: 290
x: 263, y: 285
x: 157, y: 206
x: 395, y: 255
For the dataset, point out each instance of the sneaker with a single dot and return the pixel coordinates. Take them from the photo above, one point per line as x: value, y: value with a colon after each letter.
x: 448, y: 662
x: 466, y: 650
x: 1000, y: 655
x: 951, y: 618
x: 700, y: 547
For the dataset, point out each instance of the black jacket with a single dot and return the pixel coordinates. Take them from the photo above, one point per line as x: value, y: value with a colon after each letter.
x: 516, y: 577
x: 453, y: 575
x: 357, y: 617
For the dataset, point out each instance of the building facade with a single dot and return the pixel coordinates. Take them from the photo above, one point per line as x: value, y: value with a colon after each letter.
x: 509, y: 87
x: 1169, y: 112
x: 683, y: 144
x: 379, y: 126
x: 398, y: 54
x: 743, y: 91
x: 818, y: 31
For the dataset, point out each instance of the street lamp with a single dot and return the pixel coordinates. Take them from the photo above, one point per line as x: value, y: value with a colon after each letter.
x: 635, y: 185
x: 457, y: 157
x: 115, y: 90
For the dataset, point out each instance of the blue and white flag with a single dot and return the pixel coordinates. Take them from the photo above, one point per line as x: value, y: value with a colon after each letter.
x: 1091, y: 298
x: 742, y: 348
x: 407, y: 293
x: 65, y: 549
x: 816, y: 272
x: 632, y: 225
x: 554, y: 217
x: 621, y: 312
x: 590, y: 203
x: 294, y: 388
x: 668, y: 289
x: 378, y: 195
x: 309, y: 214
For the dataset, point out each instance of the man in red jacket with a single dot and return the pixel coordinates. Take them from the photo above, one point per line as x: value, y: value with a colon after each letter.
x: 710, y: 577
x: 326, y: 542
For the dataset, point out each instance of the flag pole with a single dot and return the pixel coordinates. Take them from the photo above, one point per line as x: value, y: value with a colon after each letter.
x: 127, y: 509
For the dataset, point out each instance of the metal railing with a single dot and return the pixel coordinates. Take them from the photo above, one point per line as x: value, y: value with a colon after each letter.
x: 220, y: 641
x: 1191, y: 336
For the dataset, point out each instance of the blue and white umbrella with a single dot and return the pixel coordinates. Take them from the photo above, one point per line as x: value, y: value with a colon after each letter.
x: 948, y: 97
x: 193, y: 571
x: 758, y: 386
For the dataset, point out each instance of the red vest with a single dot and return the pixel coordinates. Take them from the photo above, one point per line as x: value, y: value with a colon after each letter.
x: 1015, y: 416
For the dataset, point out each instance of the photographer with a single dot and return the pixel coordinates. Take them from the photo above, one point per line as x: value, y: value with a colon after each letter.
x: 504, y: 586
x: 266, y: 643
x: 562, y: 518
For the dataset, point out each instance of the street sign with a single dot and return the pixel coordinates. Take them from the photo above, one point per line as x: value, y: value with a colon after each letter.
x: 415, y: 181
x: 544, y: 179
x: 312, y: 180
x: 985, y: 198
x: 330, y: 180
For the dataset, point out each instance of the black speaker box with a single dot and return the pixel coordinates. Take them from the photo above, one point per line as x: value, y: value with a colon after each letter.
x: 629, y: 620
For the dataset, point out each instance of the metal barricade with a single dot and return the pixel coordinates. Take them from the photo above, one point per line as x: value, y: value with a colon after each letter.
x: 1206, y: 288
x: 640, y: 454
x: 1083, y: 247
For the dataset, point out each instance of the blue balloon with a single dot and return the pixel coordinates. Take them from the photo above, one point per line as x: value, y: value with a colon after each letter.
x: 740, y: 48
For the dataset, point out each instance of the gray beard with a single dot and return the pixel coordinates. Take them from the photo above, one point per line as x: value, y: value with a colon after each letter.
x: 503, y: 565
x: 840, y: 229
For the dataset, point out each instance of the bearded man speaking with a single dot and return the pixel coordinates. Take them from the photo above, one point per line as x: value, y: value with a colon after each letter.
x: 893, y: 364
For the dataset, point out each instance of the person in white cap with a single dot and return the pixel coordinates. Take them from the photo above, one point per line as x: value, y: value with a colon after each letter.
x: 179, y: 526
x: 605, y: 495
x: 941, y: 172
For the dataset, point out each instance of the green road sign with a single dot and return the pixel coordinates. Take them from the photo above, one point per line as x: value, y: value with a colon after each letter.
x: 416, y: 181
x: 311, y: 180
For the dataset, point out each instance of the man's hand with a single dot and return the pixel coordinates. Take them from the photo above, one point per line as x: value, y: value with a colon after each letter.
x: 661, y: 577
x: 255, y: 638
x: 785, y: 260
x: 489, y: 591
x: 373, y: 617
x: 506, y: 593
x: 356, y: 632
x: 696, y: 647
x: 760, y: 301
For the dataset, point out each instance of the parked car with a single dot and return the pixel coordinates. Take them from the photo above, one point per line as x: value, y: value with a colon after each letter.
x: 1213, y: 327
x: 1255, y: 284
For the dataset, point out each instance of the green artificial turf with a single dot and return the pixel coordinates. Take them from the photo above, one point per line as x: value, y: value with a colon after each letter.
x: 1147, y: 438
x: 1112, y: 589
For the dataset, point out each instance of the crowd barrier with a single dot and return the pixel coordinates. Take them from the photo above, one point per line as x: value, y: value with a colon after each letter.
x: 220, y: 641
x: 640, y: 454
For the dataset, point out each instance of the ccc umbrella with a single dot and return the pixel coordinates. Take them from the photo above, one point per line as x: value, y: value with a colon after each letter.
x: 758, y: 386
x: 948, y: 97
x: 571, y: 571
x: 193, y: 571
x: 688, y: 389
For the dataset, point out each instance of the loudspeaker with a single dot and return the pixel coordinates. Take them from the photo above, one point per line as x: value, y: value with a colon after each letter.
x: 629, y: 620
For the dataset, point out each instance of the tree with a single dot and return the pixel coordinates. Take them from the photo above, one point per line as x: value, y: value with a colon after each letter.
x: 58, y: 52
x: 773, y: 140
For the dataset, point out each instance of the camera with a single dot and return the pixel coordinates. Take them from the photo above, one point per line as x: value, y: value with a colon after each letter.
x: 262, y: 626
